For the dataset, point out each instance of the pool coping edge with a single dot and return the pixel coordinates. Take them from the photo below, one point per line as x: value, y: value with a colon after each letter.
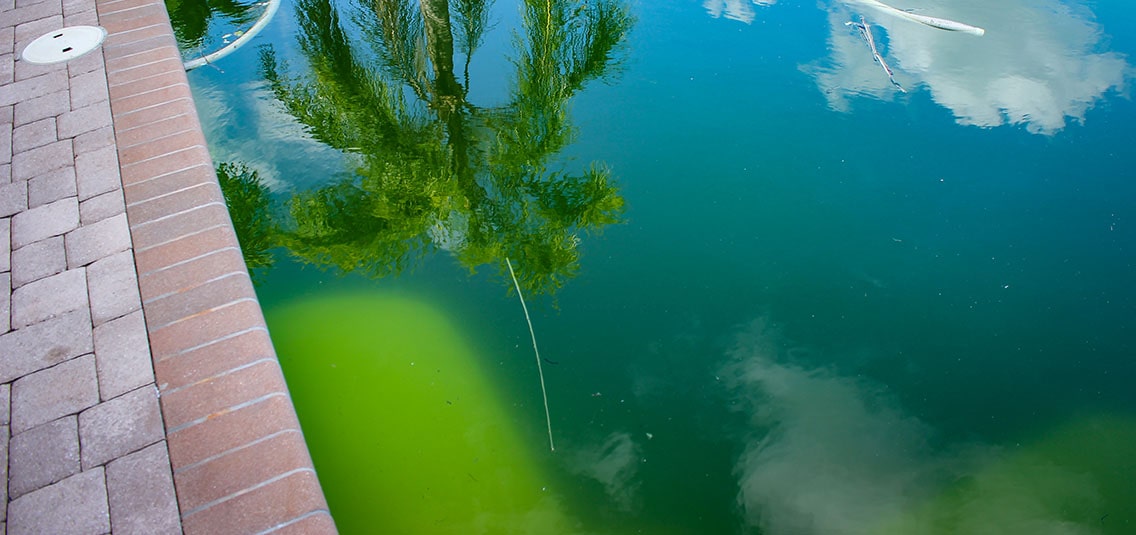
x: 239, y: 458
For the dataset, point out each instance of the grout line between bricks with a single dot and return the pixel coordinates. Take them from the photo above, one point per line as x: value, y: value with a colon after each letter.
x: 223, y: 276
x: 247, y: 490
x: 123, y: 114
x: 300, y: 518
x: 207, y: 311
x: 217, y: 376
x: 164, y: 41
x: 125, y: 33
x: 129, y: 68
x: 137, y: 183
x: 191, y: 349
x: 126, y: 70
x: 125, y: 9
x: 188, y: 260
x: 167, y: 194
x: 140, y: 143
x: 106, y: 11
x: 164, y: 119
x: 191, y: 148
x: 227, y: 410
x: 179, y: 238
x: 229, y: 451
x: 175, y: 214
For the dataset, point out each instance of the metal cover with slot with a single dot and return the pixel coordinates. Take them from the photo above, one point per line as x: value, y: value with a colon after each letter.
x: 63, y: 45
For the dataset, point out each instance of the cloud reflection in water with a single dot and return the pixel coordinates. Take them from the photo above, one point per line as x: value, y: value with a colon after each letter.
x: 832, y: 454
x: 614, y: 465
x: 1041, y: 63
x: 740, y: 10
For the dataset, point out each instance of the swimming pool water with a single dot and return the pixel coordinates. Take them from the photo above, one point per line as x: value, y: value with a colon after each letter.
x: 772, y: 292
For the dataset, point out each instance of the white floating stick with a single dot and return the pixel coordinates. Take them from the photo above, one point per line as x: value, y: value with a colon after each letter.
x: 934, y: 22
x: 539, y: 369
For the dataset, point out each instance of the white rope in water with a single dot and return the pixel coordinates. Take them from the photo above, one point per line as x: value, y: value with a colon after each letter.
x: 539, y: 369
x: 263, y: 21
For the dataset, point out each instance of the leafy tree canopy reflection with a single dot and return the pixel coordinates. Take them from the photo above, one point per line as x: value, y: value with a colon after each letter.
x: 250, y: 208
x: 437, y: 171
x: 191, y: 18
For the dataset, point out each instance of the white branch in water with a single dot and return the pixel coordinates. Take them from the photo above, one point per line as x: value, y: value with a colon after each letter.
x: 934, y: 22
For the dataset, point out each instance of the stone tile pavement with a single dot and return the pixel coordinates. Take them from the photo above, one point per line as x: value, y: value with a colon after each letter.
x: 82, y: 439
x: 139, y: 392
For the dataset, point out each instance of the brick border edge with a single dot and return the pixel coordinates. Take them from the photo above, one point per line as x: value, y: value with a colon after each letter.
x: 239, y: 458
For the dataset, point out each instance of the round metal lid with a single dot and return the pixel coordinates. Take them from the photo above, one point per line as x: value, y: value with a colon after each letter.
x: 62, y: 45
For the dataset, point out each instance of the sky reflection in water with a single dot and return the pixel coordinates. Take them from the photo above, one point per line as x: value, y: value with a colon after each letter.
x: 1040, y: 63
x: 925, y: 351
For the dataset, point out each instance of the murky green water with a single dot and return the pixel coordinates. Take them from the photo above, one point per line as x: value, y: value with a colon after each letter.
x: 774, y: 291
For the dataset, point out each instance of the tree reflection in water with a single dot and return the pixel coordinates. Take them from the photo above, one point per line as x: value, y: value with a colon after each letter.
x: 435, y: 170
x: 191, y: 18
x: 250, y: 208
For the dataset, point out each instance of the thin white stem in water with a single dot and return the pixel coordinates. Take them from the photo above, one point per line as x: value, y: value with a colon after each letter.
x: 539, y: 369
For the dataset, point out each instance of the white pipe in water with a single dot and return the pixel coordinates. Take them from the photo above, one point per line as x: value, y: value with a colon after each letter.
x: 263, y: 21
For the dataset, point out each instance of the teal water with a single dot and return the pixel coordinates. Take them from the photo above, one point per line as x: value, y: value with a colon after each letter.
x: 797, y: 300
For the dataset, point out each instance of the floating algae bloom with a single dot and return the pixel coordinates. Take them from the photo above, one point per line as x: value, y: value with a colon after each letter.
x: 407, y: 433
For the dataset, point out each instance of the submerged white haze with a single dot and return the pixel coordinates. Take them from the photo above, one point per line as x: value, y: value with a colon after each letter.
x: 835, y: 455
x: 1039, y: 65
x: 825, y: 453
x: 830, y: 454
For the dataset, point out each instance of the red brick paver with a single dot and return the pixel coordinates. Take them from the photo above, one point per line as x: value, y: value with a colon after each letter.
x: 139, y: 391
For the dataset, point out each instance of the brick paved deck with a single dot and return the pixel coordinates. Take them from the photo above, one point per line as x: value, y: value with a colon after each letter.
x: 139, y: 391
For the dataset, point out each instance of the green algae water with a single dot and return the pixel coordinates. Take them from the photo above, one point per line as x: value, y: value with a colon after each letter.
x: 412, y: 400
x: 777, y: 288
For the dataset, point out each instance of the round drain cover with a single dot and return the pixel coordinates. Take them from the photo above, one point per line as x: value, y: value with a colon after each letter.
x: 62, y: 45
